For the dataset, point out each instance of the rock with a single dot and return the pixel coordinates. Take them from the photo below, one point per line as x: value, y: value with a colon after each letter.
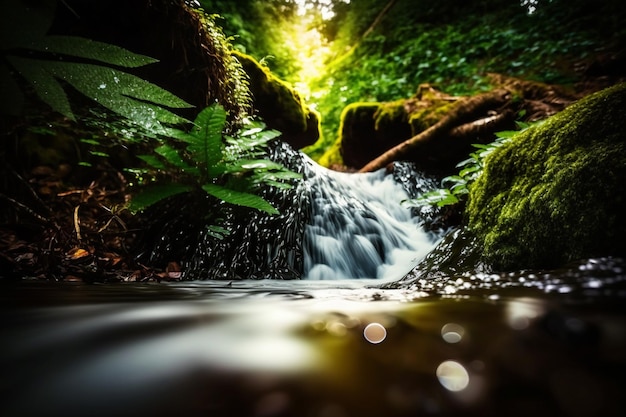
x: 279, y: 105
x: 369, y: 129
x: 556, y: 192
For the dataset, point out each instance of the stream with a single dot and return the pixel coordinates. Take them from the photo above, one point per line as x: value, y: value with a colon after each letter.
x: 547, y: 343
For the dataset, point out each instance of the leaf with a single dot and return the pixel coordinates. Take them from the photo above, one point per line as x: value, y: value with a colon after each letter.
x: 154, y: 194
x: 239, y: 198
x: 45, y: 85
x: 506, y: 134
x: 253, y: 164
x: 172, y: 156
x: 217, y: 231
x: 469, y: 170
x: 120, y: 92
x: 153, y: 161
x: 448, y: 200
x: 205, y: 139
x: 90, y: 49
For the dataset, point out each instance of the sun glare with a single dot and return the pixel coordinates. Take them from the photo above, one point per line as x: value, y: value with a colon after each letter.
x: 325, y: 7
x: 310, y: 48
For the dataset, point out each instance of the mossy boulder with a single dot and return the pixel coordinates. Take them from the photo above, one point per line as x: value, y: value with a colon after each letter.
x: 557, y: 191
x: 368, y: 129
x: 279, y: 105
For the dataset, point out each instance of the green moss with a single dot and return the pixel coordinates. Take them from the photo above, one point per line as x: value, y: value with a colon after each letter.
x: 423, y: 118
x: 357, y: 121
x: 392, y: 118
x: 556, y: 192
x: 368, y: 129
x: 279, y: 105
x: 332, y: 156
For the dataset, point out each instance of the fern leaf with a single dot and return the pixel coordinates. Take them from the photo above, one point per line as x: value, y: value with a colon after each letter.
x: 153, y: 161
x: 125, y: 94
x: 45, y: 85
x: 217, y: 231
x: 250, y: 143
x: 253, y: 164
x: 276, y: 178
x: 90, y: 49
x: 154, y: 194
x: 205, y: 140
x: 239, y: 198
x: 173, y: 157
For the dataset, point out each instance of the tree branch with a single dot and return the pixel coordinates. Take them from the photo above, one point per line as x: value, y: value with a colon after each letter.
x: 465, y: 112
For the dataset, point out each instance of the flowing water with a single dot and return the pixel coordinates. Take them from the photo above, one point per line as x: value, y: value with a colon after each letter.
x: 359, y: 229
x: 549, y: 343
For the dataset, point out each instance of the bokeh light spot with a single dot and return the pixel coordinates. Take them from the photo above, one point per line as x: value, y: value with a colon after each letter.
x: 453, y: 376
x: 375, y: 333
x: 452, y: 332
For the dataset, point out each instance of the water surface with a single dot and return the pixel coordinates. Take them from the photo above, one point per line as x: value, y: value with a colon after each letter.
x: 313, y: 348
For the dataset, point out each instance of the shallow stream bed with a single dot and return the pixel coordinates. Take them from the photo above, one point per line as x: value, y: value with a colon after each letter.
x: 316, y: 348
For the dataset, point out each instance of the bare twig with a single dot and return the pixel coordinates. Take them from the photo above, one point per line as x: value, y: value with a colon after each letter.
x: 25, y: 208
x: 77, y: 223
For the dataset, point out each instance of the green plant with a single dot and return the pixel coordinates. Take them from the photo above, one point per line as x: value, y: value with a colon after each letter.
x: 229, y: 168
x: 471, y: 168
x: 50, y: 62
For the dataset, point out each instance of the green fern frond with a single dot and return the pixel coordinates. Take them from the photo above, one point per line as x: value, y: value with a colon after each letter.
x: 239, y: 198
x: 45, y: 85
x: 205, y: 140
x: 173, y: 157
x: 120, y: 92
x: 155, y: 193
x: 153, y: 161
x: 75, y: 46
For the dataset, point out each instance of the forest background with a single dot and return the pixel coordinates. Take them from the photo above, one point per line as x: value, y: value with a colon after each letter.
x: 337, y: 52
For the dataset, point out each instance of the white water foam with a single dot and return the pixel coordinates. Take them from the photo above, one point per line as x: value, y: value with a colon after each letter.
x: 359, y: 229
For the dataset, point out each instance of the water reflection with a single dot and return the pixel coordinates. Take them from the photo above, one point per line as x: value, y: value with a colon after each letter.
x: 201, y: 349
x: 375, y: 333
x: 452, y: 332
x: 453, y: 376
x: 521, y: 311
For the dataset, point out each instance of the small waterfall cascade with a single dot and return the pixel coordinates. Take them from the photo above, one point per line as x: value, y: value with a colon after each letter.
x: 359, y: 229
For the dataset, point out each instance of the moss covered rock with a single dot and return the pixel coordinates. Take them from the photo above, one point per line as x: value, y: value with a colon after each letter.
x: 556, y: 192
x: 279, y: 105
x: 368, y: 129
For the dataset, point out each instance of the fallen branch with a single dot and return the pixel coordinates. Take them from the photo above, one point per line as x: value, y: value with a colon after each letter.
x: 465, y: 112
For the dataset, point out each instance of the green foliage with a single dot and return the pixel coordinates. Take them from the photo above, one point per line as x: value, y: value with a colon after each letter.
x: 46, y: 62
x: 471, y: 168
x: 261, y: 28
x: 228, y: 168
x: 453, y: 45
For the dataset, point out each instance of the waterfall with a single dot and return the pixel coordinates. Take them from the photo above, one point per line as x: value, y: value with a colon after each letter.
x: 358, y: 228
x: 330, y: 226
